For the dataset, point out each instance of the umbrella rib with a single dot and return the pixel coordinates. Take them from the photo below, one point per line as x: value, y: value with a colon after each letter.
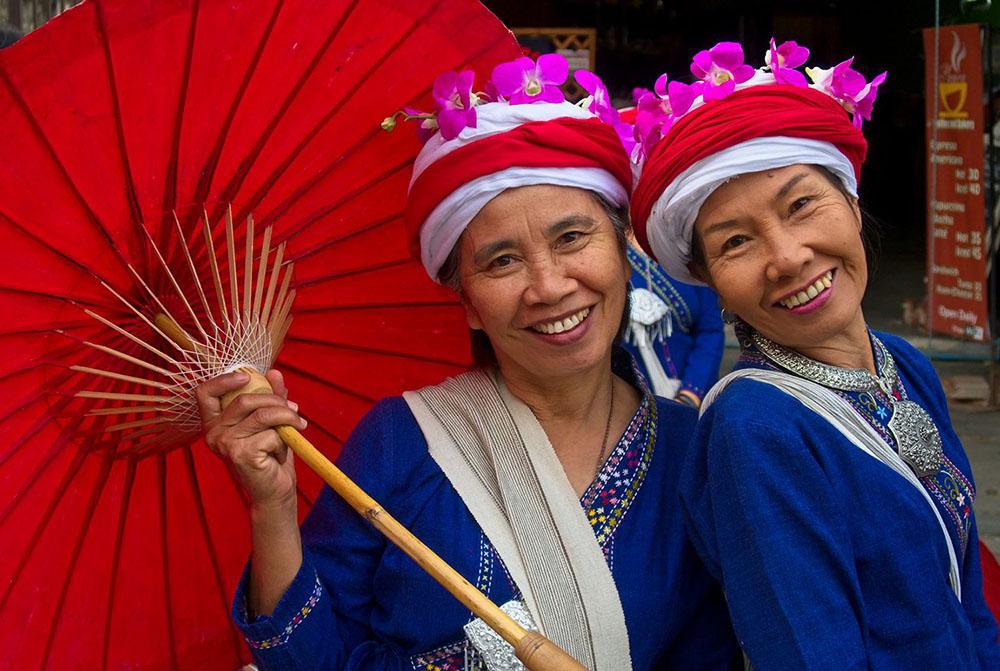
x: 48, y: 246
x: 199, y: 503
x: 348, y: 235
x: 273, y: 178
x: 116, y: 560
x: 208, y: 171
x: 374, y: 350
x: 326, y: 383
x: 43, y: 522
x: 353, y: 272
x: 292, y: 198
x: 51, y: 151
x: 376, y: 306
x: 170, y: 183
x: 130, y: 189
x: 161, y: 477
x: 81, y: 536
x: 237, y: 179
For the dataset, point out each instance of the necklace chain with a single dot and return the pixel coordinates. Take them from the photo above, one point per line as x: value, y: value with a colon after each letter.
x: 845, y: 379
x: 607, y: 430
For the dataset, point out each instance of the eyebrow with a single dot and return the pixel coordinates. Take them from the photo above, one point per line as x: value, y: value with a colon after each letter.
x: 554, y: 230
x: 782, y: 192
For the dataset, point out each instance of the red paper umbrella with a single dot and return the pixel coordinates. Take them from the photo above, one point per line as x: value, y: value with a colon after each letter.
x: 120, y: 547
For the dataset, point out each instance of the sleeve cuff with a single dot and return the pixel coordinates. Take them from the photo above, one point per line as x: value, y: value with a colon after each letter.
x: 300, y: 601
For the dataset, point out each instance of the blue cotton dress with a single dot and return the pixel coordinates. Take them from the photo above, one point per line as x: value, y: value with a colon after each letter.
x: 359, y: 603
x: 693, y: 350
x: 828, y: 558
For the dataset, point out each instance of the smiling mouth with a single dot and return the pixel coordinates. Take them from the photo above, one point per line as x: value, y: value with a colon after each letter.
x: 810, y: 293
x: 562, y: 325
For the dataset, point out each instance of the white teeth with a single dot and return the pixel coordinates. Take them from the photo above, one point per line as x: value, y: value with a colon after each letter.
x: 563, y: 324
x: 810, y: 292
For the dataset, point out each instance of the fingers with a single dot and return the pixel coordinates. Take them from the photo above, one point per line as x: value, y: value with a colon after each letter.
x: 209, y: 394
x: 277, y: 381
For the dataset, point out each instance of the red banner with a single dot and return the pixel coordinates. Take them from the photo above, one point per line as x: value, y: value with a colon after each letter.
x: 956, y: 217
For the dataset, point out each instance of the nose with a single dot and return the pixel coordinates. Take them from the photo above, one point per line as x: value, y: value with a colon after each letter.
x: 548, y: 282
x: 787, y: 254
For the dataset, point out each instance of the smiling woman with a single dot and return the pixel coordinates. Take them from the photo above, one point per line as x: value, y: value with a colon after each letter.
x: 826, y: 488
x: 547, y: 476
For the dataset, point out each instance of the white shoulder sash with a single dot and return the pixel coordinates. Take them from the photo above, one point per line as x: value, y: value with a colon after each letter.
x: 497, y: 456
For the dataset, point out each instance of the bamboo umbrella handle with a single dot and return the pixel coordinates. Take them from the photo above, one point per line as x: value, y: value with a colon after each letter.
x: 536, y: 652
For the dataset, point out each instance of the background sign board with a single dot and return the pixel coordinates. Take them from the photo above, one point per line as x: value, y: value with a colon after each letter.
x: 956, y: 217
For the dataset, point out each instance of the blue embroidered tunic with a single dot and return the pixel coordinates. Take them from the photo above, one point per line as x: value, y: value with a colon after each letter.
x: 693, y: 350
x: 828, y: 558
x: 359, y: 603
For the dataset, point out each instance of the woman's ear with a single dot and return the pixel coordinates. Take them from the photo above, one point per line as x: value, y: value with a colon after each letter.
x: 472, y: 317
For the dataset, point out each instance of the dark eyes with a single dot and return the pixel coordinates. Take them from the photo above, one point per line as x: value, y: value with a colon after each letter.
x: 733, y: 242
x: 501, y: 261
x: 798, y: 204
x: 569, y: 237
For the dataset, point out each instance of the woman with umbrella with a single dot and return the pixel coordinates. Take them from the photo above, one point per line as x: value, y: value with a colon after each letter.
x: 547, y: 476
x: 827, y: 488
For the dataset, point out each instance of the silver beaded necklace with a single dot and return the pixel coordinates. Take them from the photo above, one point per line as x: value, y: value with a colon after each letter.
x: 917, y: 438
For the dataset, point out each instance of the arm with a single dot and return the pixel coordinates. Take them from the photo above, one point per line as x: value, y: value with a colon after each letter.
x: 764, y: 515
x: 701, y: 369
x: 984, y: 626
x: 303, y: 602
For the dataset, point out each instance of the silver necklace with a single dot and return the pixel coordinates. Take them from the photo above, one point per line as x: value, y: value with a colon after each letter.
x: 917, y: 438
x: 607, y: 430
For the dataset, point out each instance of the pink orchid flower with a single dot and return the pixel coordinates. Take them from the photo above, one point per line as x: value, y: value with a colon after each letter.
x: 454, y: 101
x: 721, y: 68
x: 428, y: 123
x: 848, y: 87
x: 599, y: 104
x: 525, y: 81
x: 784, y: 59
x: 657, y: 110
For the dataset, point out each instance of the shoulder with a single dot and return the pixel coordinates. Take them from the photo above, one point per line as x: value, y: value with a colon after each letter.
x: 677, y: 419
x: 387, y: 440
x: 904, y: 352
x: 745, y: 400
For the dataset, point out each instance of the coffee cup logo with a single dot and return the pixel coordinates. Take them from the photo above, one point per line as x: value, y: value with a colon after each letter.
x: 953, y: 96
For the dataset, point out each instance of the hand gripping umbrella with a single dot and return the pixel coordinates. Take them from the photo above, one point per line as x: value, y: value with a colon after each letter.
x: 121, y: 539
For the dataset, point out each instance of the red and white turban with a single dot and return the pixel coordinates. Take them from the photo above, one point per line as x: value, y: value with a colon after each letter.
x: 757, y: 128
x: 511, y: 146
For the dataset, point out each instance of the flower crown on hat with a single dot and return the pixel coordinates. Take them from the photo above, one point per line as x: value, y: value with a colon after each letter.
x: 720, y: 71
x: 522, y: 81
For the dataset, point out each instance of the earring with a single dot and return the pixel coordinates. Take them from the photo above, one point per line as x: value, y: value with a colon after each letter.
x: 728, y: 317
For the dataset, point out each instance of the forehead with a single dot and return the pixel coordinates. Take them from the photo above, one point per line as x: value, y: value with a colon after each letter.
x: 542, y: 205
x: 753, y: 188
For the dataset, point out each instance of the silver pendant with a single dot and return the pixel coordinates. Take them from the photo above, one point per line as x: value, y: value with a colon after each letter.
x: 917, y: 438
x: 647, y: 307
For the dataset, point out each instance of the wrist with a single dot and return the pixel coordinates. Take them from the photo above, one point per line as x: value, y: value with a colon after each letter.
x: 688, y: 398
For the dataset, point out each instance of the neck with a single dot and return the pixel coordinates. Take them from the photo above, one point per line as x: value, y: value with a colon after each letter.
x: 851, y: 348
x: 575, y: 396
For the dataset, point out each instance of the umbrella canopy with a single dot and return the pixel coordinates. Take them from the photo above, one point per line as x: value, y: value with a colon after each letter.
x: 121, y: 548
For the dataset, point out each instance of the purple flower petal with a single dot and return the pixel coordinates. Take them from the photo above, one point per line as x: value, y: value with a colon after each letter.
x: 743, y: 73
x: 682, y: 96
x: 701, y: 64
x: 720, y: 91
x: 551, y: 94
x: 553, y: 69
x: 792, y: 55
x: 588, y: 80
x: 452, y: 122
x: 727, y: 55
x: 638, y: 92
x: 661, y: 86
x: 793, y: 77
x: 509, y: 77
